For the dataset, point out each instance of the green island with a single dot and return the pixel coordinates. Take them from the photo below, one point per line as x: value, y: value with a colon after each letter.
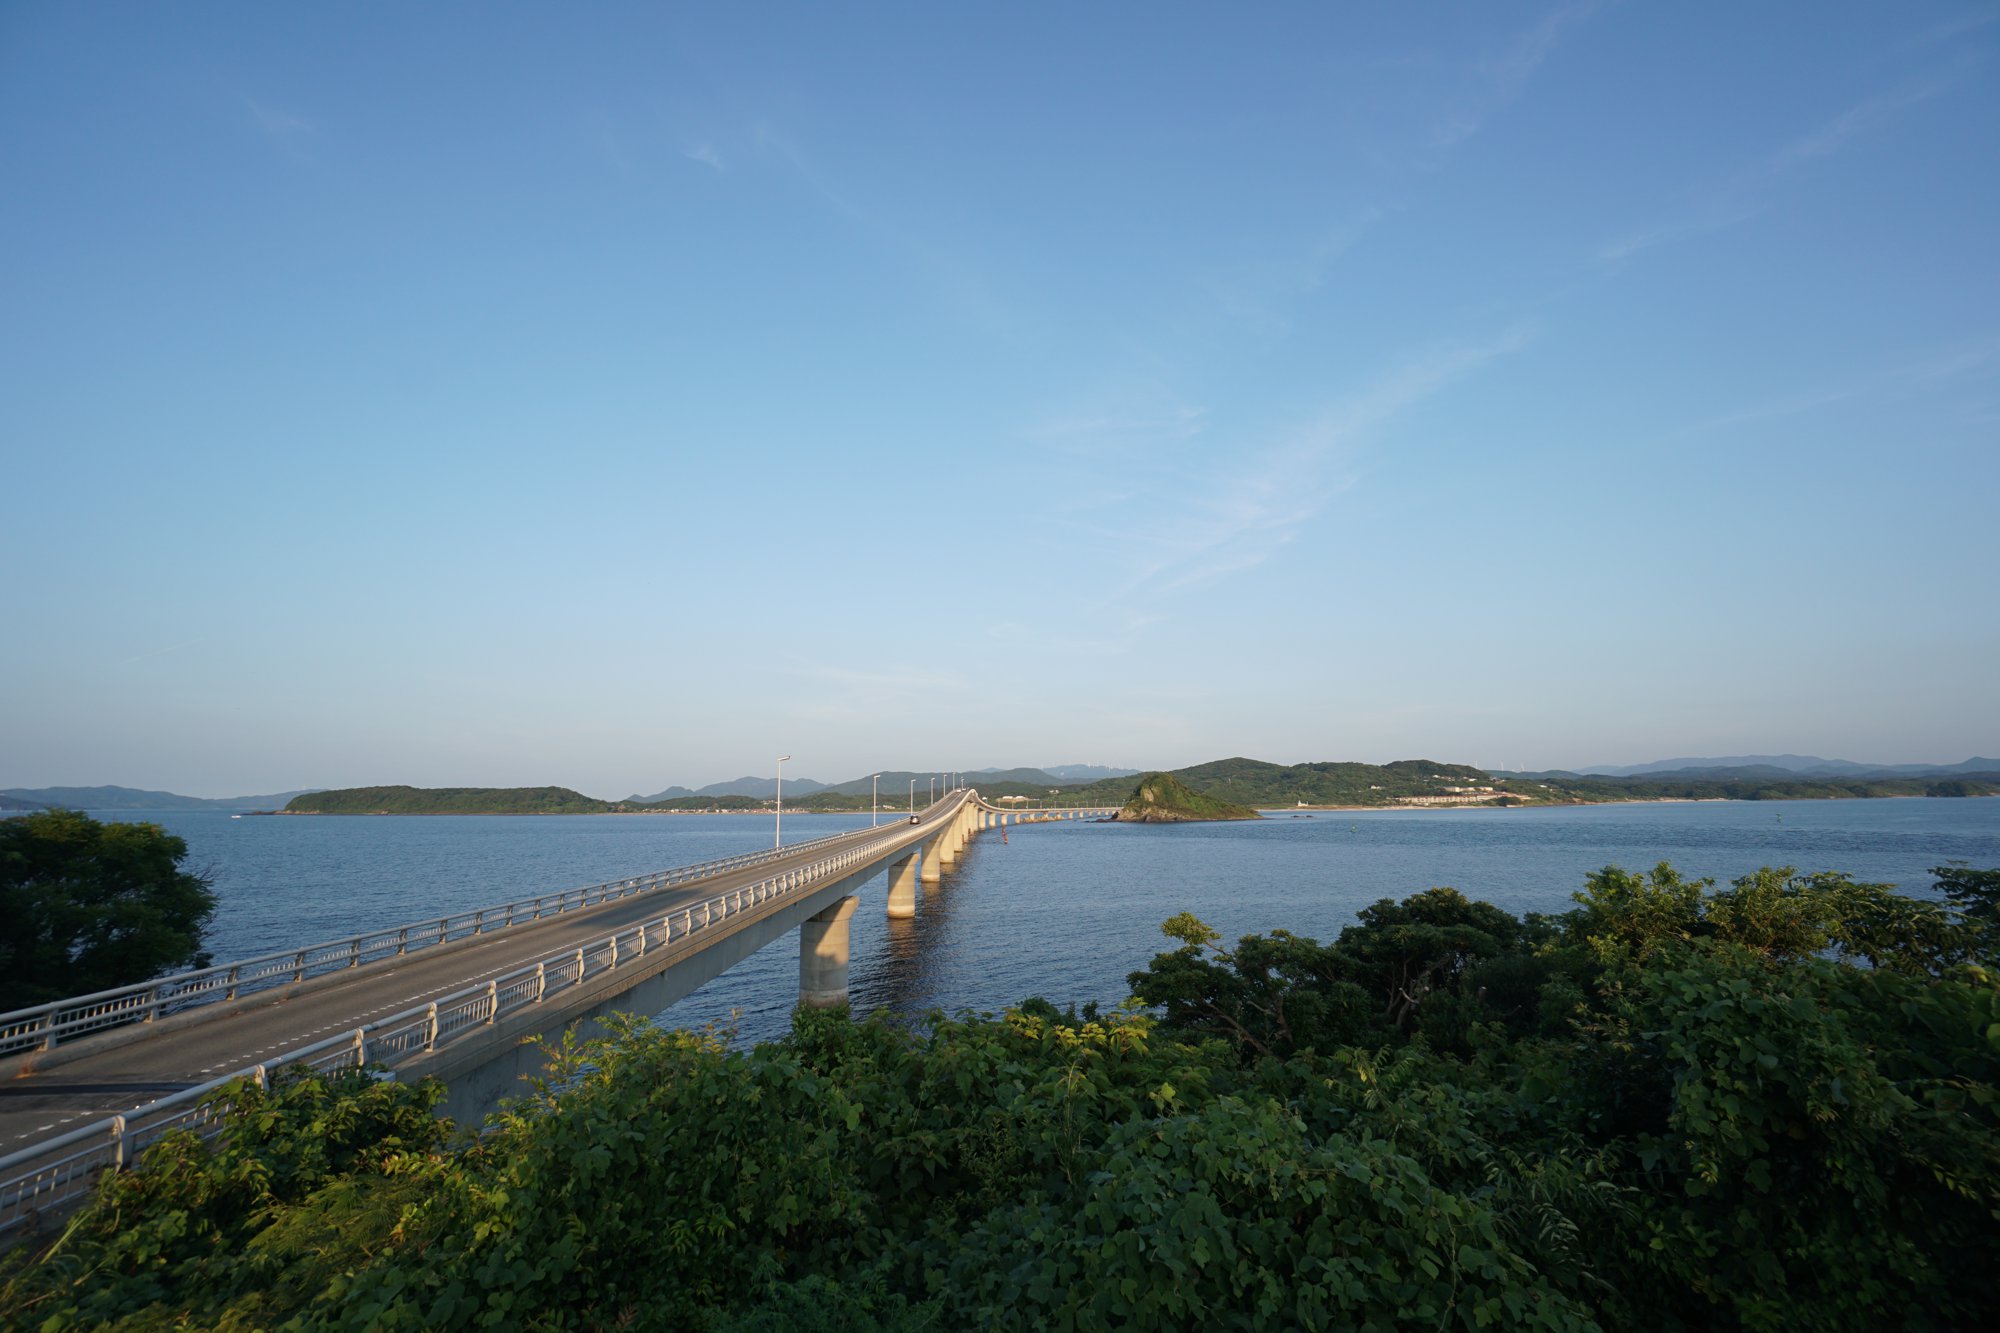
x: 448, y: 801
x: 1774, y: 1104
x: 1162, y: 798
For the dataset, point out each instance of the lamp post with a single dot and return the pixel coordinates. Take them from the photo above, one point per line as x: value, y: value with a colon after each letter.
x: 931, y: 800
x: 778, y: 824
x: 913, y: 796
x: 874, y: 799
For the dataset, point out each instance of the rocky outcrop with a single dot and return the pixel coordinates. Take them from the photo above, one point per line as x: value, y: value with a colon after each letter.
x: 1162, y: 798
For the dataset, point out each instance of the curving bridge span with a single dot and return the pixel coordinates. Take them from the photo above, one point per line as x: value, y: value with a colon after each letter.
x: 90, y: 1082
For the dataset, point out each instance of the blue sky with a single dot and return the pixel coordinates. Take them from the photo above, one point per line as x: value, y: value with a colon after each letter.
x: 614, y: 396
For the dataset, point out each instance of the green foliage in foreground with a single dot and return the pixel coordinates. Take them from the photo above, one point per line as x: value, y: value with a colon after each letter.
x: 1668, y: 1108
x: 89, y: 906
x: 449, y: 801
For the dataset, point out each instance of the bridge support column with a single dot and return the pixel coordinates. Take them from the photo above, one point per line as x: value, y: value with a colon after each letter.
x: 933, y: 864
x: 823, y: 956
x: 903, y: 886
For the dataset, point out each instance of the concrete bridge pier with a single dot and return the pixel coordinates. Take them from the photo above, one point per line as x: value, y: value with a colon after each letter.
x: 933, y: 864
x: 823, y: 952
x: 903, y: 887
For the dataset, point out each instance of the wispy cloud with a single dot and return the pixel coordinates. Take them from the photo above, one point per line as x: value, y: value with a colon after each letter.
x: 1716, y: 215
x: 704, y: 153
x: 1950, y: 363
x: 1851, y: 124
x: 1903, y: 377
x: 1336, y: 242
x: 1952, y: 28
x: 1248, y: 514
x: 1745, y: 193
x: 281, y: 128
x: 1505, y: 74
x: 1176, y: 423
x: 950, y: 278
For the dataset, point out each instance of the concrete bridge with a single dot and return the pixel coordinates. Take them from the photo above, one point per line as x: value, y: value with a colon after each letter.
x: 92, y: 1081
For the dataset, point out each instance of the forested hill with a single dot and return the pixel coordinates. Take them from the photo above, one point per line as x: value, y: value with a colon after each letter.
x: 449, y: 801
x: 1252, y: 782
x: 1268, y: 786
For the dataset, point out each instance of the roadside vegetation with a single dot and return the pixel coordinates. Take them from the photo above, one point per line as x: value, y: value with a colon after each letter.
x: 1770, y: 1105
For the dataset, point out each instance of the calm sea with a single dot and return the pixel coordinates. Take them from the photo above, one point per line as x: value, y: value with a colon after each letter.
x: 1059, y: 910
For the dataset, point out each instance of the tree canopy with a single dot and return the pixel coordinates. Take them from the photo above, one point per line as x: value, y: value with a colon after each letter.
x: 89, y: 906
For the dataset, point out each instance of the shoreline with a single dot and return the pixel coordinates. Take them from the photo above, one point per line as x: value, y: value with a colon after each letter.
x: 1267, y: 811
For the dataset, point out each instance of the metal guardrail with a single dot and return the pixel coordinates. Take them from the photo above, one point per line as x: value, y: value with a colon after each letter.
x: 62, y: 1170
x: 45, y: 1026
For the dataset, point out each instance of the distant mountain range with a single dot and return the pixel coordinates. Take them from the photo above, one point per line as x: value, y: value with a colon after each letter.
x: 1754, y: 767
x: 134, y: 798
x: 766, y: 788
x: 761, y: 788
x: 1067, y: 772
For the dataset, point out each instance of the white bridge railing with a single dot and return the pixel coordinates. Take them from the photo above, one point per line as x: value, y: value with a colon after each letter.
x: 63, y: 1170
x: 47, y: 1025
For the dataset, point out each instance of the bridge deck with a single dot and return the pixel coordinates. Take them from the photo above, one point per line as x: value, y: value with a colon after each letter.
x: 109, y: 1075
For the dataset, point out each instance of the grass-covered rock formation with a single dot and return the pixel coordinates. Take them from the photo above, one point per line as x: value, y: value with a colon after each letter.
x: 1162, y: 798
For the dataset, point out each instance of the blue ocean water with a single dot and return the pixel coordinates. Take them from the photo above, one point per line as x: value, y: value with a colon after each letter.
x: 1062, y: 910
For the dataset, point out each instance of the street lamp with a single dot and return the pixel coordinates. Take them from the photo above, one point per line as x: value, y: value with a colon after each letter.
x: 778, y: 824
x: 931, y: 800
x: 874, y: 800
x: 913, y: 796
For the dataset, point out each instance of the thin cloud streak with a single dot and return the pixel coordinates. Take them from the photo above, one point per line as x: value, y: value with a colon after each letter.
x: 950, y: 280
x: 1180, y: 424
x: 1911, y: 375
x: 1508, y: 73
x: 276, y: 124
x: 1735, y: 201
x: 1254, y: 515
